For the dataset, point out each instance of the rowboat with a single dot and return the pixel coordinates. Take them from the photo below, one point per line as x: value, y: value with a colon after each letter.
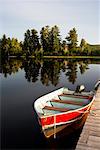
x: 63, y: 107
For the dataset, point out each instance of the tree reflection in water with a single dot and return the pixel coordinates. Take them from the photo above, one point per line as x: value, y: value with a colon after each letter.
x: 83, y: 66
x: 31, y: 68
x: 48, y: 71
x: 72, y: 71
x: 9, y: 67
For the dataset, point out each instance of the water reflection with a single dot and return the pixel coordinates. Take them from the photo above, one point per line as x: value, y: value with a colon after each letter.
x: 84, y: 66
x: 10, y: 66
x: 31, y: 68
x: 20, y: 128
x: 72, y: 71
x: 46, y: 70
x: 50, y: 71
x: 68, y: 136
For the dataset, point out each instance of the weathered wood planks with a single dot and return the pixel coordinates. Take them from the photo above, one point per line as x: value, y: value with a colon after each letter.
x: 90, y: 137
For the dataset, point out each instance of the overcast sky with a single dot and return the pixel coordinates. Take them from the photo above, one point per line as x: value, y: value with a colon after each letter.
x: 16, y: 16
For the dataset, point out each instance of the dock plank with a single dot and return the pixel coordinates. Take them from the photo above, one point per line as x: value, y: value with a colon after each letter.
x: 90, y: 137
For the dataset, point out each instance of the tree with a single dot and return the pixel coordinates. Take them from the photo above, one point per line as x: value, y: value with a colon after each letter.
x: 26, y: 43
x: 64, y: 47
x: 72, y: 39
x: 35, y: 39
x: 55, y: 40
x: 45, y: 32
x: 50, y: 40
x: 4, y: 46
x: 10, y: 47
x: 83, y: 45
x: 31, y: 42
x: 15, y: 48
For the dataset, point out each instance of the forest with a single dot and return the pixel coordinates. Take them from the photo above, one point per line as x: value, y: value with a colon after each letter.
x: 47, y: 43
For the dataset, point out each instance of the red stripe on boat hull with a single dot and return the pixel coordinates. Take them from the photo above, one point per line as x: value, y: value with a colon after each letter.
x: 62, y: 117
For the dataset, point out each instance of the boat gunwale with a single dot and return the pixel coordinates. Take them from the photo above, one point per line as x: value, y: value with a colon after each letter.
x: 75, y: 96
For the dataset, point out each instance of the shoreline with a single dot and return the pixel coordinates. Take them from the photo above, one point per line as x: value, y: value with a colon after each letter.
x: 92, y: 57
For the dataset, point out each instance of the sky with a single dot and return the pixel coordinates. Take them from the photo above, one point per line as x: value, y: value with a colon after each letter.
x: 16, y: 16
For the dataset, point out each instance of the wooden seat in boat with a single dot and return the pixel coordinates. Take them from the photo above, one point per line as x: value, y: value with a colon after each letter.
x: 56, y: 108
x: 76, y: 96
x: 67, y: 102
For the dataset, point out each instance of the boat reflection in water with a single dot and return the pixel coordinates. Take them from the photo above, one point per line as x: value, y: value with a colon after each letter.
x: 63, y: 136
x: 65, y: 130
x: 66, y: 135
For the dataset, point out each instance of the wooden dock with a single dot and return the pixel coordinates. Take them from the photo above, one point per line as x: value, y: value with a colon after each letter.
x: 90, y: 137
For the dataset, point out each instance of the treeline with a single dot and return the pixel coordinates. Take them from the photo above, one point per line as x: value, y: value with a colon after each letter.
x: 10, y: 47
x: 48, y: 43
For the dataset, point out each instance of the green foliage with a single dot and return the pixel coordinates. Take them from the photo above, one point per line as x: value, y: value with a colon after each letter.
x: 72, y: 39
x: 64, y: 48
x: 55, y: 40
x: 50, y: 40
x: 45, y: 31
x: 15, y: 47
x: 4, y: 46
x: 10, y: 47
x: 83, y: 45
x: 95, y: 50
x: 31, y: 42
x: 48, y: 44
x: 89, y: 50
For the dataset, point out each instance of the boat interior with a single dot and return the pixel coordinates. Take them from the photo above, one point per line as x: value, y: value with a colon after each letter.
x: 65, y: 102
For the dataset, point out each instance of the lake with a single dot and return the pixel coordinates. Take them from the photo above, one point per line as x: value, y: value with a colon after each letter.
x: 22, y: 82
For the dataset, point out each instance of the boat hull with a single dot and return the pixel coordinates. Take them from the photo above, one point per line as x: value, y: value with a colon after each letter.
x: 63, y: 118
x: 65, y: 129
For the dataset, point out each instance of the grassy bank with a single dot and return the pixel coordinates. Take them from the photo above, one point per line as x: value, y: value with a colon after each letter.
x: 97, y: 57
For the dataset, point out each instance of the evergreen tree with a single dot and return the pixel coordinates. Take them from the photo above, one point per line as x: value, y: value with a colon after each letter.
x: 10, y: 47
x: 35, y: 39
x: 27, y: 43
x: 64, y: 47
x: 45, y: 32
x: 4, y: 47
x: 72, y: 39
x: 31, y: 42
x: 83, y: 45
x: 55, y: 40
x: 49, y: 44
x: 15, y: 48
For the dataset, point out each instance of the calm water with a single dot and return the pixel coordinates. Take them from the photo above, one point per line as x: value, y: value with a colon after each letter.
x: 22, y: 82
